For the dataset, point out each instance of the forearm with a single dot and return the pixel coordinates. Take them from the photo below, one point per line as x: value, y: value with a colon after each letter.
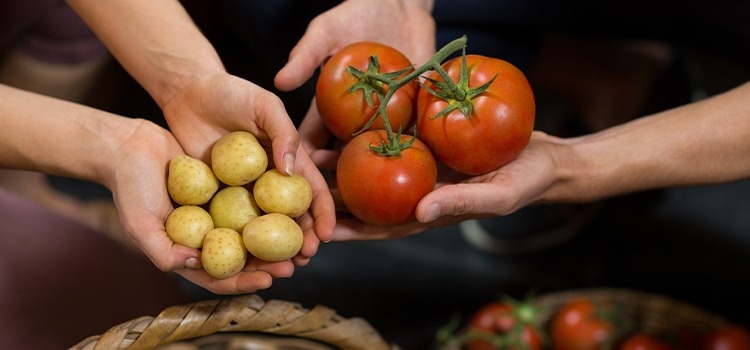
x: 57, y: 137
x: 156, y: 42
x: 707, y: 142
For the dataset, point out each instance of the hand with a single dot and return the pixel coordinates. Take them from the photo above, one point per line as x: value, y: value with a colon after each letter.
x: 407, y: 25
x: 458, y: 197
x: 140, y: 193
x: 216, y: 105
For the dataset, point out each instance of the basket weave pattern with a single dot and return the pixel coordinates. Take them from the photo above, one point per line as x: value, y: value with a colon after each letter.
x: 651, y: 312
x: 246, y: 313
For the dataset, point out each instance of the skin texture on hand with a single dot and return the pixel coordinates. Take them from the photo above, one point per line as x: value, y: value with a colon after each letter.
x: 701, y: 143
x: 407, y: 25
x: 130, y: 157
x: 160, y: 46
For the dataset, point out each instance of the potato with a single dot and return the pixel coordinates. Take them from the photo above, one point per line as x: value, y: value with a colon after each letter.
x: 188, y: 224
x: 233, y: 207
x: 190, y: 181
x: 224, y: 253
x: 273, y: 237
x: 278, y: 193
x: 238, y: 158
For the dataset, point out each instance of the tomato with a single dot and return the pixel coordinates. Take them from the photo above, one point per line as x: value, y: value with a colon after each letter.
x: 381, y: 189
x: 578, y: 326
x: 730, y: 337
x: 505, y: 319
x: 498, y: 126
x: 643, y: 341
x: 346, y: 112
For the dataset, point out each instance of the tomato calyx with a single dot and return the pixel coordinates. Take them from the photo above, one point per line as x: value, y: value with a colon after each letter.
x: 459, y: 95
x: 393, y: 146
x: 373, y: 82
x: 504, y: 324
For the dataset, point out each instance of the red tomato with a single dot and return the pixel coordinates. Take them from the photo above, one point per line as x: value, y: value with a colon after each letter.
x: 346, y: 112
x: 643, y: 341
x: 382, y: 189
x: 731, y: 337
x: 577, y: 326
x: 500, y: 319
x: 497, y: 129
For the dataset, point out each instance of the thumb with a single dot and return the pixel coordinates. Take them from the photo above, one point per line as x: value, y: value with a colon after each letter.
x: 458, y: 200
x: 169, y: 256
x: 304, y: 59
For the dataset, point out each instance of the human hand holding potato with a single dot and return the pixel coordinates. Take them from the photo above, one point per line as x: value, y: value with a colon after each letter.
x: 261, y: 220
x: 217, y: 104
x: 138, y: 181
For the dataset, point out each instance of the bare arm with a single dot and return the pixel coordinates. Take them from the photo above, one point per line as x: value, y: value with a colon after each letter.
x: 707, y: 142
x: 160, y: 46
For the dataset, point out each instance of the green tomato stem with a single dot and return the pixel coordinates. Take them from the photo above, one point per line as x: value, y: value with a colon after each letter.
x: 394, y: 145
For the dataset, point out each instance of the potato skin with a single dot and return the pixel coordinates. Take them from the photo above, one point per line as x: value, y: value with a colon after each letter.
x: 190, y: 181
x: 232, y: 207
x: 238, y: 158
x: 273, y: 237
x: 278, y: 193
x: 224, y: 253
x: 188, y: 225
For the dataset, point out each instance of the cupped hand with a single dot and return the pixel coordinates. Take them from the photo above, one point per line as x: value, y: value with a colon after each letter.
x: 407, y: 25
x: 457, y: 197
x: 213, y: 106
x: 139, y: 188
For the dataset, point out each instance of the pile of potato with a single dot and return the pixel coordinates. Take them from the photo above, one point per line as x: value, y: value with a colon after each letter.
x: 235, y: 206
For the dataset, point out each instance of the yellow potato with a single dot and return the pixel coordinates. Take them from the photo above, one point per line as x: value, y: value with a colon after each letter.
x: 190, y: 181
x: 278, y: 193
x: 224, y: 253
x: 238, y: 158
x: 233, y: 207
x: 273, y: 237
x: 188, y: 224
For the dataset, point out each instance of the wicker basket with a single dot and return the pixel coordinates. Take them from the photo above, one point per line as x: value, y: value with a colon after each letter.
x: 647, y: 312
x: 650, y: 312
x: 239, y: 321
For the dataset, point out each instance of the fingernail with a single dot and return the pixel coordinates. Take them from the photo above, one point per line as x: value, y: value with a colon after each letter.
x: 433, y: 212
x: 192, y: 263
x: 288, y: 160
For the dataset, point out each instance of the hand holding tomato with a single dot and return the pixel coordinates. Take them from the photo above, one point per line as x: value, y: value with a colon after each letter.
x: 481, y: 121
x: 405, y: 25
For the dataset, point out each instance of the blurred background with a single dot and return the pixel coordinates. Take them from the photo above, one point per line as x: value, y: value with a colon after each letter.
x: 589, y: 70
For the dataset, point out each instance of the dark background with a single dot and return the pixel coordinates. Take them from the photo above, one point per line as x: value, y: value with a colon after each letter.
x: 691, y: 244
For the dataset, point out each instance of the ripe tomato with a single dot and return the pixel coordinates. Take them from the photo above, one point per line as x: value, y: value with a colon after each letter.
x: 381, y: 189
x: 504, y: 319
x: 643, y: 341
x: 731, y: 337
x: 498, y: 126
x: 346, y: 112
x: 578, y: 326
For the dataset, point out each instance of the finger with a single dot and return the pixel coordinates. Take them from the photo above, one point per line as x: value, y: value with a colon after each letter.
x: 312, y: 132
x: 274, y: 120
x: 167, y: 255
x: 256, y: 275
x: 309, y: 53
x: 322, y: 207
x: 462, y: 199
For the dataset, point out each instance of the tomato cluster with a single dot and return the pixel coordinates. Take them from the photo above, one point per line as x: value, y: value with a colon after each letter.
x: 473, y: 113
x: 581, y: 324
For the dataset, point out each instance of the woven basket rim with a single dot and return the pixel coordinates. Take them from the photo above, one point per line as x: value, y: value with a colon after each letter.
x: 243, y: 313
x: 648, y: 307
